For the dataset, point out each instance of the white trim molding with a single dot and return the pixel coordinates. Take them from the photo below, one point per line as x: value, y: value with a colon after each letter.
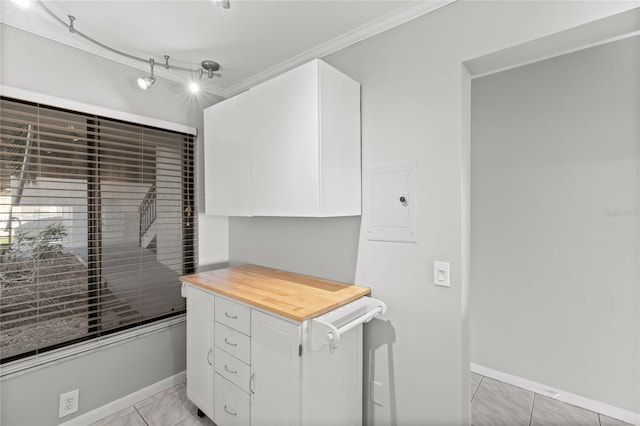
x: 377, y: 26
x: 64, y: 354
x: 560, y: 395
x: 126, y: 401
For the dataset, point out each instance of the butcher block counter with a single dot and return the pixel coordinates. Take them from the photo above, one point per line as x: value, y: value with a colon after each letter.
x: 295, y: 296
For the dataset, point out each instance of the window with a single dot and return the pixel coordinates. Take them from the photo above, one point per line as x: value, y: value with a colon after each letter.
x: 96, y: 226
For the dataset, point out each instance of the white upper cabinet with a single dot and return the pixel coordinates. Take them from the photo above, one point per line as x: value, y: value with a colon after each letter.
x: 227, y: 157
x: 304, y: 153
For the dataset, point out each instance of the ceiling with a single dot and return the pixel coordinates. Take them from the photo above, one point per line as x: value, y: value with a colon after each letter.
x: 253, y: 40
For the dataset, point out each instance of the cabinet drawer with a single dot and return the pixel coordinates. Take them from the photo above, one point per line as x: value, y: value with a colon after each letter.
x: 234, y: 315
x: 232, y: 404
x: 233, y: 342
x: 234, y: 370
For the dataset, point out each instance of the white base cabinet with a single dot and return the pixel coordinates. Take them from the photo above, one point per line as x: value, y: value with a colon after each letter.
x: 200, y: 341
x: 283, y: 381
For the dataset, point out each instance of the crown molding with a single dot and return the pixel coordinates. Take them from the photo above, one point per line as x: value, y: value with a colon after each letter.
x: 377, y: 26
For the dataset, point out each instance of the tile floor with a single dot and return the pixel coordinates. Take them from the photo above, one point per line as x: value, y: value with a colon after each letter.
x: 492, y: 403
x: 498, y: 403
x: 167, y: 408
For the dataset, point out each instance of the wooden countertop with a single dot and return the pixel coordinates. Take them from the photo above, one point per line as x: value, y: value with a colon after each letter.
x: 295, y: 296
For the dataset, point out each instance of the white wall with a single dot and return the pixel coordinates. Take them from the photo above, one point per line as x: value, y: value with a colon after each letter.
x: 110, y: 373
x: 413, y: 104
x: 326, y: 247
x: 555, y: 184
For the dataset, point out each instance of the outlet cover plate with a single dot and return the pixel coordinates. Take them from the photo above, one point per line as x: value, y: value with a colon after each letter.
x: 68, y: 403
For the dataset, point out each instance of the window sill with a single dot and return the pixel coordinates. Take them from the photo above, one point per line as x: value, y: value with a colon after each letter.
x: 35, y: 362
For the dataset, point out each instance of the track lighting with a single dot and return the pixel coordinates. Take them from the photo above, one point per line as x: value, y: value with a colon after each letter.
x: 210, y: 67
x: 145, y: 82
x: 222, y: 3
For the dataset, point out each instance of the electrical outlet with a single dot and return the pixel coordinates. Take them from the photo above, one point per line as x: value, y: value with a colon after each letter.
x: 68, y: 403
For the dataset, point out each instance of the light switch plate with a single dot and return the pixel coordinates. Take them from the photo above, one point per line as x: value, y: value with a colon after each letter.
x: 441, y: 274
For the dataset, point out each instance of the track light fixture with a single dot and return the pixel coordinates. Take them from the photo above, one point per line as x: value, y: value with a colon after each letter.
x: 222, y: 3
x: 143, y: 82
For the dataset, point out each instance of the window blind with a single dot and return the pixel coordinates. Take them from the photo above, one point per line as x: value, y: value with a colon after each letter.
x: 96, y: 225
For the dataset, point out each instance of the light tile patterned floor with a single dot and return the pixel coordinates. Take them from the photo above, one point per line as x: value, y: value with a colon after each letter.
x: 497, y: 403
x: 492, y: 403
x: 167, y: 408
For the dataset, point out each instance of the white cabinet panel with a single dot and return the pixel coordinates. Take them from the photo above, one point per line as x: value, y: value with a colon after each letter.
x: 200, y: 340
x: 233, y: 342
x: 275, y: 363
x: 227, y: 157
x: 232, y: 404
x: 284, y: 145
x: 232, y: 369
x: 339, y: 147
x: 234, y: 315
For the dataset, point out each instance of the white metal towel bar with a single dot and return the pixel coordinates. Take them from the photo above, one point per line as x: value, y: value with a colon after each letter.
x: 328, y: 328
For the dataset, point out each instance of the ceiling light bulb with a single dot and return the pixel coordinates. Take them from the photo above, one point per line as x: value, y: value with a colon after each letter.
x: 23, y: 4
x: 194, y: 87
x: 145, y: 82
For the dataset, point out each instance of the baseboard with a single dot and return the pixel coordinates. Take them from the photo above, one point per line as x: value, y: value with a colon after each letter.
x: 126, y: 401
x: 568, y: 397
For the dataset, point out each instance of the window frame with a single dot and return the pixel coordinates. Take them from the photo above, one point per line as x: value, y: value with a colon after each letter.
x: 63, y: 351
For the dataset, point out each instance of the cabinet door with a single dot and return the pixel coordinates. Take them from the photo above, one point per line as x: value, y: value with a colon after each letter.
x: 200, y: 341
x: 227, y: 157
x: 284, y: 144
x: 232, y: 404
x: 275, y: 363
x: 339, y: 143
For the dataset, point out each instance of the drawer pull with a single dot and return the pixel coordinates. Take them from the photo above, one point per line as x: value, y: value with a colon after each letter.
x: 251, y: 380
x: 229, y: 371
x: 231, y: 413
x: 228, y: 315
x: 229, y: 343
x: 209, y: 357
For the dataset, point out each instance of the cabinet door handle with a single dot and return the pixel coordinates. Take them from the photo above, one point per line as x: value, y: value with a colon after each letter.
x: 251, y: 381
x: 209, y: 357
x: 229, y: 371
x: 230, y: 343
x: 228, y: 315
x: 229, y: 412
